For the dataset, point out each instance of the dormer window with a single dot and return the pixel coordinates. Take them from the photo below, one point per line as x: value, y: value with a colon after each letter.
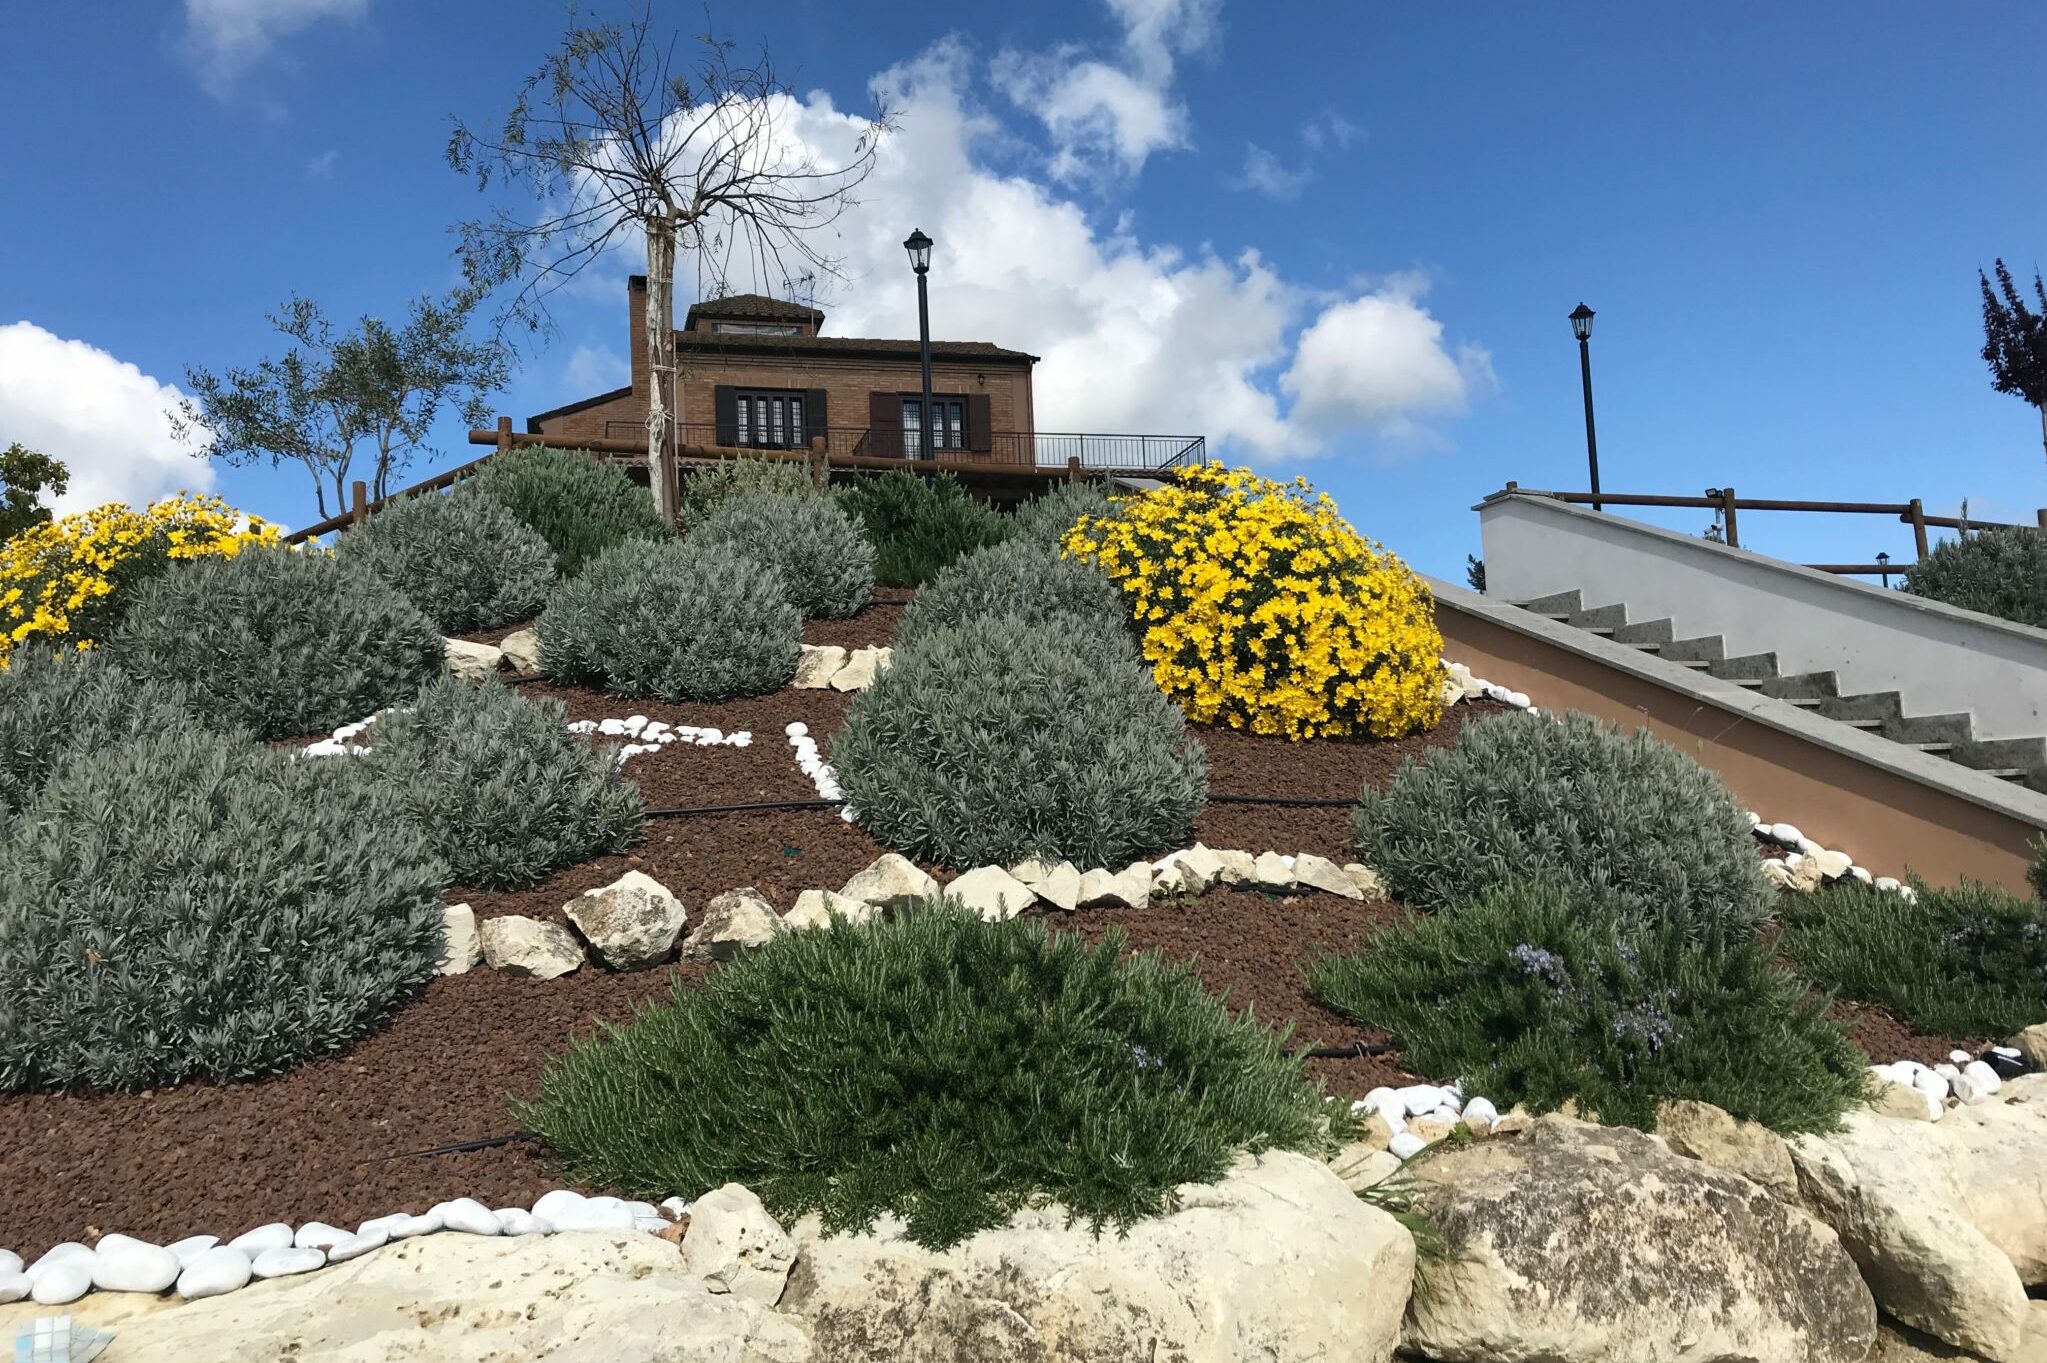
x: 757, y: 328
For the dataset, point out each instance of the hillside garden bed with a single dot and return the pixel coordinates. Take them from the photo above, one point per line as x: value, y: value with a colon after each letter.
x: 334, y: 1137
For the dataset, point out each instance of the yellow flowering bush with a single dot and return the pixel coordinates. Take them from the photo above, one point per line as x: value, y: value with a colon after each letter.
x: 1262, y: 609
x: 65, y: 581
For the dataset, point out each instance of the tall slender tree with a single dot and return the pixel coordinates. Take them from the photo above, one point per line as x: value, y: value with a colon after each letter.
x: 612, y: 136
x: 25, y: 476
x: 2015, y: 340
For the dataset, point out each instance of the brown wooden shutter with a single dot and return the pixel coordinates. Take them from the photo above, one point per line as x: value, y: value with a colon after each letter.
x: 815, y: 423
x: 725, y: 414
x: 980, y: 438
x: 885, y: 425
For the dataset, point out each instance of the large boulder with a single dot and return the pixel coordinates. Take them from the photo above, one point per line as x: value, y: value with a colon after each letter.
x: 1589, y: 1244
x: 631, y: 924
x: 576, y: 1297
x: 734, y: 1245
x: 1278, y: 1262
x: 526, y: 946
x: 735, y: 921
x: 1701, y: 1131
x: 1948, y: 1219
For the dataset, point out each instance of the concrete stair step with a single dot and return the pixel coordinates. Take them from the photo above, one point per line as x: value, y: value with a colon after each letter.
x: 1708, y: 648
x: 1646, y: 632
x: 1934, y: 749
x: 1756, y: 667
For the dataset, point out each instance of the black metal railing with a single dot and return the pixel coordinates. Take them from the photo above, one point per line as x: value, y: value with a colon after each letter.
x: 1036, y: 449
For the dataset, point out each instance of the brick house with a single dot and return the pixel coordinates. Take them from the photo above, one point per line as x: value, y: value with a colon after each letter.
x: 759, y: 373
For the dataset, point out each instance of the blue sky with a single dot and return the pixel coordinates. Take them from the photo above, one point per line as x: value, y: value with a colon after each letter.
x: 1340, y: 241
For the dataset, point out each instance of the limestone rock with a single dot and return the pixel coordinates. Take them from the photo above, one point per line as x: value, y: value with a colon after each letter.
x: 461, y: 949
x: 1703, y: 1132
x: 473, y: 662
x: 862, y: 666
x: 1060, y: 886
x: 1199, y: 866
x: 1319, y: 873
x: 1129, y: 888
x: 816, y: 908
x: 1279, y: 1262
x: 817, y: 664
x: 1271, y: 871
x: 735, y: 921
x: 1363, y: 1163
x: 890, y: 881
x: 1905, y: 1101
x: 1587, y: 1244
x: 631, y: 924
x: 1831, y: 865
x: 2032, y: 1044
x: 992, y: 892
x: 1368, y: 882
x: 1239, y: 868
x: 528, y: 947
x: 522, y: 652
x: 734, y: 1246
x: 585, y: 1297
x: 1948, y: 1221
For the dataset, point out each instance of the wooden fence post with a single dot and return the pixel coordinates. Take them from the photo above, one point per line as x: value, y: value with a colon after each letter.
x: 1917, y: 515
x: 2041, y: 516
x: 358, y: 502
x: 1727, y: 514
x: 820, y: 463
x: 504, y: 434
x: 1073, y: 468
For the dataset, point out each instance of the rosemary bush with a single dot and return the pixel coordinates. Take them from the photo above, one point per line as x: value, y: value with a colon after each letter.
x: 55, y: 703
x: 1020, y: 578
x: 708, y: 486
x: 999, y: 739
x: 579, y: 506
x: 1539, y: 995
x: 1969, y: 962
x: 2000, y: 572
x: 1045, y: 519
x: 504, y: 791
x: 935, y: 1067
x: 280, y: 642
x: 826, y: 564
x: 677, y: 619
x: 920, y: 525
x: 463, y: 558
x: 192, y: 905
x: 1572, y: 800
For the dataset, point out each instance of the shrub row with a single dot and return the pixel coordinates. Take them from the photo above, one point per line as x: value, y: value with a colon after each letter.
x: 462, y: 558
x: 579, y: 506
x: 919, y: 526
x: 825, y: 563
x: 2000, y: 572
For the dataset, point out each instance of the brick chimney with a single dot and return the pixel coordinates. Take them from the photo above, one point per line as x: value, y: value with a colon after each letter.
x: 636, y: 333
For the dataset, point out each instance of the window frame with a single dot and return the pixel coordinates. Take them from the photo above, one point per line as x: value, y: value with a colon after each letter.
x: 786, y: 427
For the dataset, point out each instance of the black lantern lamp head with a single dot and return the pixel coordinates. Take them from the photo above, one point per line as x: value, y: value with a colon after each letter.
x: 919, y: 247
x: 1581, y: 322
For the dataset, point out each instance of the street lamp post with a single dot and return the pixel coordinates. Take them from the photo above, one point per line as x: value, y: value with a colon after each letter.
x: 919, y: 247
x: 1883, y: 561
x: 1581, y: 327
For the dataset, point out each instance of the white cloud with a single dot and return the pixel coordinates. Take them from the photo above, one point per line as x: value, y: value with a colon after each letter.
x: 1264, y: 174
x: 1103, y: 114
x: 1330, y: 129
x: 225, y: 38
x: 1378, y: 362
x: 322, y: 166
x: 103, y: 418
x: 595, y: 369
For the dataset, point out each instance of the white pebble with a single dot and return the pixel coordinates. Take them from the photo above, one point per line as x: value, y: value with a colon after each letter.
x: 2008, y: 1052
x: 10, y: 1262
x: 405, y: 1227
x: 380, y: 1225
x: 1389, y: 1105
x: 1481, y: 1110
x: 287, y: 1261
x: 582, y: 726
x: 554, y: 1203
x: 635, y: 723
x: 192, y: 1246
x: 467, y: 1215
x: 214, y: 1272
x: 1984, y: 1077
x: 1809, y: 847
x: 519, y: 1221
x: 1931, y: 1084
x: 1406, y: 1145
x: 1947, y: 1071
x: 741, y: 740
x: 612, y: 728
x: 1967, y: 1091
x: 133, y: 1266
x: 1888, y: 885
x: 1862, y: 874
x: 62, y: 1282
x: 1754, y: 819
x: 318, y: 1235
x: 70, y: 1251
x: 796, y: 728
x: 1959, y: 1057
x: 355, y: 1246
x: 1446, y: 1115
x: 14, y: 1285
x: 594, y: 1213
x: 679, y: 1207
x: 1421, y: 1098
x: 276, y: 1235
x: 1785, y: 834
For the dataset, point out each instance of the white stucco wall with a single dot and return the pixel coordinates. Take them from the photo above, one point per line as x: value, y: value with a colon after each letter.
x: 1939, y: 659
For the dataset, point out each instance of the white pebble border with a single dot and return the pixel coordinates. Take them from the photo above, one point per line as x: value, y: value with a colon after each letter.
x: 813, y: 765
x: 205, y: 1266
x: 647, y: 735
x: 1416, y: 1116
x: 1961, y: 1080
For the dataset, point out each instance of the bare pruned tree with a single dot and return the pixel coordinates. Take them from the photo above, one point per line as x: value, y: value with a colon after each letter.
x: 611, y: 136
x: 2015, y: 340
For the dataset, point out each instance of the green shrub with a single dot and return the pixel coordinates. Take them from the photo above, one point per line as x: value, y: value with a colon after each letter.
x: 280, y: 642
x: 463, y: 558
x: 1966, y: 962
x: 2038, y: 874
x: 919, y: 525
x: 1019, y: 578
x: 1046, y: 518
x: 580, y: 507
x: 999, y: 739
x: 2000, y: 572
x: 1568, y: 799
x: 707, y: 486
x: 827, y: 565
x: 504, y: 791
x: 1534, y: 994
x: 54, y: 703
x: 940, y: 1068
x: 195, y: 906
x: 680, y: 620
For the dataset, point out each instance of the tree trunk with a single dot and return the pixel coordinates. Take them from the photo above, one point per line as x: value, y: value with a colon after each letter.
x: 2043, y: 424
x: 661, y: 366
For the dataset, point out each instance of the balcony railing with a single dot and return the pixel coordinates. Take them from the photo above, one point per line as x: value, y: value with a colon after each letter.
x: 1040, y: 450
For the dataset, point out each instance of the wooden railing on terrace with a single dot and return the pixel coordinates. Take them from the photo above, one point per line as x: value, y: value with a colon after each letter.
x: 1724, y: 501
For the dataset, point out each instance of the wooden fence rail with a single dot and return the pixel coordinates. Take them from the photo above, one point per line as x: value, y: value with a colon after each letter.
x: 1724, y: 501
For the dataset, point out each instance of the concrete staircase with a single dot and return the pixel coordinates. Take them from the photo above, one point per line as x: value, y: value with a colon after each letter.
x: 2022, y: 761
